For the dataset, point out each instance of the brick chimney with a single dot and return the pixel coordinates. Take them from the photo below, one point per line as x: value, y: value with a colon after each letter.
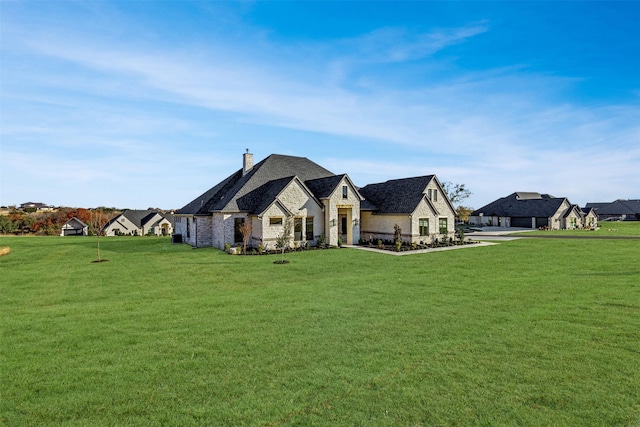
x: 247, y: 162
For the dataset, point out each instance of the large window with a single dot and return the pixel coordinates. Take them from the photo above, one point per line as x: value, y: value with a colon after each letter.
x: 275, y: 220
x: 442, y: 223
x: 424, y: 226
x: 297, y: 229
x: 309, y: 228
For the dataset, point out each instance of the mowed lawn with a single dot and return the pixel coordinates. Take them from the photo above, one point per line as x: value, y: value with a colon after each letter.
x: 526, y: 332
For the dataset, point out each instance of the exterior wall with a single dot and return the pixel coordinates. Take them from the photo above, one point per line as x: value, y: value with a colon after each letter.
x: 74, y: 228
x: 217, y: 232
x: 380, y: 227
x: 335, y: 204
x: 181, y: 227
x: 193, y: 229
x: 571, y: 219
x: 157, y: 229
x: 556, y: 222
x: 591, y: 220
x: 490, y: 221
x: 125, y: 227
x: 271, y: 232
x: 301, y: 204
x: 147, y: 225
x: 424, y: 211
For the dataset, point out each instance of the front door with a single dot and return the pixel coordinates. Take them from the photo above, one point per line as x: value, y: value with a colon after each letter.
x: 343, y: 229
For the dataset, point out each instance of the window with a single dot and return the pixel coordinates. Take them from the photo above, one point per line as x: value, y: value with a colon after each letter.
x: 188, y: 229
x: 435, y: 195
x: 275, y: 220
x: 309, y: 228
x: 237, y: 233
x: 429, y: 193
x: 442, y: 222
x: 423, y: 225
x: 297, y: 229
x: 344, y: 192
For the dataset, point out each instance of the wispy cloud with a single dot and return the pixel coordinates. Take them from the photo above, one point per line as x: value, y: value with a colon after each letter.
x: 397, y: 44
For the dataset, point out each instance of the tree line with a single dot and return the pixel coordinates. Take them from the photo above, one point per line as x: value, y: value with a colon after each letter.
x: 50, y: 223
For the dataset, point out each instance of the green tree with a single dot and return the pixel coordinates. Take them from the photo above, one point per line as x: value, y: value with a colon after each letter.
x: 6, y: 225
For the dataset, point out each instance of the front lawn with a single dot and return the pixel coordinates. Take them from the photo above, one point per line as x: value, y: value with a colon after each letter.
x: 605, y: 228
x: 527, y: 332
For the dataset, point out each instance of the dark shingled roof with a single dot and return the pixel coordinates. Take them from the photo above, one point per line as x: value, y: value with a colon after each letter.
x: 139, y: 217
x: 396, y: 195
x: 619, y: 207
x: 530, y: 206
x: 323, y: 187
x: 257, y: 188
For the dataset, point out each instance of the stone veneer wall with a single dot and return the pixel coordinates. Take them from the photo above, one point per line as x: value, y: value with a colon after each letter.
x: 332, y: 211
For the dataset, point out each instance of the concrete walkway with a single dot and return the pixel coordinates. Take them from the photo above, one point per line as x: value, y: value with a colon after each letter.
x: 419, y: 251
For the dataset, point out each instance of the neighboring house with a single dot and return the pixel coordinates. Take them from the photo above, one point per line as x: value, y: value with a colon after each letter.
x: 590, y: 217
x: 36, y: 206
x: 532, y: 210
x: 624, y: 210
x: 318, y: 202
x: 139, y: 223
x: 74, y: 227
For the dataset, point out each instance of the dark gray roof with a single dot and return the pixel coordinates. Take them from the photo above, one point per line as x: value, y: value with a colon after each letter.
x: 396, y: 195
x: 257, y: 188
x: 512, y: 206
x: 138, y: 217
x: 323, y: 187
x: 597, y: 205
x: 619, y: 207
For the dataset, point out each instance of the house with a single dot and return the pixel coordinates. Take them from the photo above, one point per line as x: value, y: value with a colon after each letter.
x: 624, y: 210
x: 35, y: 207
x: 419, y: 206
x: 140, y: 223
x: 532, y: 210
x: 74, y: 227
x: 590, y: 217
x: 318, y: 202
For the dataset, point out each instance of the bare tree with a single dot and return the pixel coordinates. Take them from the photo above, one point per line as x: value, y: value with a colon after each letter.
x: 456, y: 192
x: 98, y: 221
x: 282, y: 241
x: 246, y: 229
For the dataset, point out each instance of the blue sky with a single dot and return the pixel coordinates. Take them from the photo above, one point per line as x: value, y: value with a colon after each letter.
x: 138, y: 104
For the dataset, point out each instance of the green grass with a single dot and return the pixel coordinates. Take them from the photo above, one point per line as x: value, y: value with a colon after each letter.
x: 527, y: 332
x: 605, y: 229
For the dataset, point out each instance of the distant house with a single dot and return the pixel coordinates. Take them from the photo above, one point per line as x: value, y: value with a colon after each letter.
x: 36, y: 206
x: 318, y: 202
x: 532, y: 210
x: 140, y: 223
x: 74, y: 227
x: 623, y: 210
x: 590, y: 217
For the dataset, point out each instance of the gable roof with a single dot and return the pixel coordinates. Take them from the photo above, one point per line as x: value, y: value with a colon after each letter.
x: 619, y: 207
x: 396, y: 195
x: 139, y: 217
x: 514, y: 205
x: 256, y: 188
x: 75, y: 221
